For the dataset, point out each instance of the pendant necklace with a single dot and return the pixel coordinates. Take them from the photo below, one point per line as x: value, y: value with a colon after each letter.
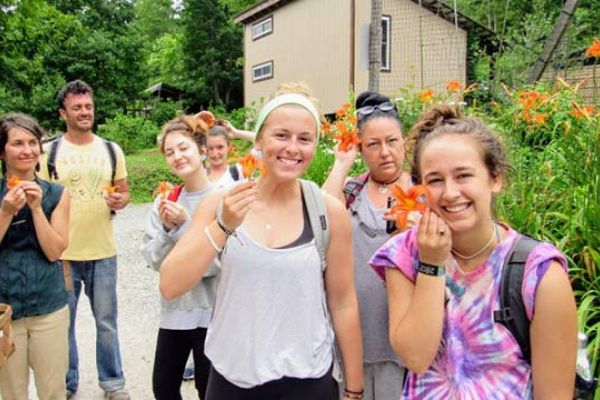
x: 495, y: 237
x: 383, y: 186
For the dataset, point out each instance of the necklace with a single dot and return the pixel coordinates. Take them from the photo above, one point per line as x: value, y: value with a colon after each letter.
x: 495, y: 237
x: 383, y: 188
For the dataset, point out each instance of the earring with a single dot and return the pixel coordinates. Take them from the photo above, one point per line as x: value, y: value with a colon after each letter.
x: 258, y: 154
x: 202, y: 157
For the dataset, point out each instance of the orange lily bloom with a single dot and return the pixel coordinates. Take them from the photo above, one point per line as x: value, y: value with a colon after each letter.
x: 325, y: 126
x: 347, y: 138
x: 407, y: 202
x: 343, y: 111
x: 453, y: 86
x: 426, y: 95
x: 162, y: 189
x: 531, y: 99
x: 580, y: 112
x: 207, y: 117
x: 111, y: 189
x: 250, y: 164
x: 13, y: 182
x: 594, y: 49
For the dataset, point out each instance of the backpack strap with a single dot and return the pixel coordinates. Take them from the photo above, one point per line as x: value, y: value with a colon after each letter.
x: 113, y: 159
x: 233, y: 171
x: 317, y: 215
x: 512, y: 313
x: 51, y: 161
x: 175, y: 192
x: 353, y: 187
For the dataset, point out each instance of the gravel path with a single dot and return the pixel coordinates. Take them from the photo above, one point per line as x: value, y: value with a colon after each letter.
x: 138, y: 297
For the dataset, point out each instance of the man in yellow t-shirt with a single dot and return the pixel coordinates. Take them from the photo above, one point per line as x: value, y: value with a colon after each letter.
x: 83, y: 162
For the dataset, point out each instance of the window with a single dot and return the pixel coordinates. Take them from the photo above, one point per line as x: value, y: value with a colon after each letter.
x: 386, y: 24
x: 262, y: 71
x: 262, y: 28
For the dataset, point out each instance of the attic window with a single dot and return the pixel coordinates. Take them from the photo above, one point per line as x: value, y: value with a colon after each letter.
x: 262, y: 28
x: 262, y: 71
x: 386, y: 29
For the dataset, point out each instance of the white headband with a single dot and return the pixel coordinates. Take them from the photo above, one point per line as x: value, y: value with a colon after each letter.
x: 288, y: 98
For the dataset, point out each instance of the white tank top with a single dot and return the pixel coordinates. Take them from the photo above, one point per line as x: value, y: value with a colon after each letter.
x: 270, y: 318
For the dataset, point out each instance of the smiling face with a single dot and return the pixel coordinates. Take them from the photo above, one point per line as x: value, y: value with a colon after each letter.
x: 218, y: 148
x: 21, y: 153
x: 288, y: 141
x: 182, y: 154
x: 459, y: 186
x: 78, y: 112
x: 382, y: 148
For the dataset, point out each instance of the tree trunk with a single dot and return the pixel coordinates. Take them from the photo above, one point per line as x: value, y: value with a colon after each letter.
x: 375, y: 45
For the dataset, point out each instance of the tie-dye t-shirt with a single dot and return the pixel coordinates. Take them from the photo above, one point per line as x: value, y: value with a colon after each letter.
x: 477, y: 358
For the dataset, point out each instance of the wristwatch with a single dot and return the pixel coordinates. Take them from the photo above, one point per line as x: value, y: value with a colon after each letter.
x: 431, y: 270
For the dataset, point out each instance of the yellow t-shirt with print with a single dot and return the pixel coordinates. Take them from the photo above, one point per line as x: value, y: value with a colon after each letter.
x: 86, y: 171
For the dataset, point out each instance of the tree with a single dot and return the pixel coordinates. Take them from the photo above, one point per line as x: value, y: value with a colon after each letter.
x: 375, y: 45
x: 212, y: 45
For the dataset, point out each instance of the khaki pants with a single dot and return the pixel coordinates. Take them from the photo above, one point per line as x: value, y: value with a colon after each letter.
x: 42, y: 344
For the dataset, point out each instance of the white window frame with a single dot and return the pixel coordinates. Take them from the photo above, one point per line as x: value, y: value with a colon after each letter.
x: 260, y: 66
x: 261, y: 24
x: 386, y: 47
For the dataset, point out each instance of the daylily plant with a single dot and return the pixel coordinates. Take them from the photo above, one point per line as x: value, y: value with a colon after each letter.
x: 406, y: 202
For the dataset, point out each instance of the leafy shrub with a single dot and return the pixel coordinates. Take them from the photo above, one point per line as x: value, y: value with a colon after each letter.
x: 146, y: 169
x: 131, y: 133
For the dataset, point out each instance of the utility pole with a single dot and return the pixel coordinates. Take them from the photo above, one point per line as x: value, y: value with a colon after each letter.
x: 375, y: 45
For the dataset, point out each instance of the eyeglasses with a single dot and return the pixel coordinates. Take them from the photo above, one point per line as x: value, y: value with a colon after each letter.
x: 366, y: 110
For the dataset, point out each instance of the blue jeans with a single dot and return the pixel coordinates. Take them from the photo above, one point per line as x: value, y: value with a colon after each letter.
x: 99, y: 278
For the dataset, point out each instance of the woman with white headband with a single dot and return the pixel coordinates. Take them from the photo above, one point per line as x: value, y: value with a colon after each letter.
x: 271, y: 336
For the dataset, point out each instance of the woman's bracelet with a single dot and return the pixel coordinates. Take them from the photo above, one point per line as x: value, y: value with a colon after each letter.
x: 228, y: 231
x: 212, y: 241
x: 355, y: 395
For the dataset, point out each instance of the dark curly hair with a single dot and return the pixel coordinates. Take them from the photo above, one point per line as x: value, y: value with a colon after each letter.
x: 73, y: 87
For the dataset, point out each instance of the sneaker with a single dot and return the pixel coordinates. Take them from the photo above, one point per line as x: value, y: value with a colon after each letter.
x: 188, y: 373
x: 70, y: 394
x: 120, y: 394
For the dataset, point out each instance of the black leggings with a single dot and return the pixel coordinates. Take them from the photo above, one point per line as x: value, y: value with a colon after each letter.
x: 323, y: 388
x: 172, y: 350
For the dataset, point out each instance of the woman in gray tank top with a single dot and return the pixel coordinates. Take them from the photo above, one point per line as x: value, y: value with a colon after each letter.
x: 366, y: 196
x: 271, y: 336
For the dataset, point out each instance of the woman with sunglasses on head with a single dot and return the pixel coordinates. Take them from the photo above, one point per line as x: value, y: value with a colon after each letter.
x: 366, y: 197
x: 270, y: 336
x: 443, y: 279
x: 183, y: 321
x: 34, y: 222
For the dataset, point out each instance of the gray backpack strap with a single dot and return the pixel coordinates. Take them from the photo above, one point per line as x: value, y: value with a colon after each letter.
x: 317, y: 214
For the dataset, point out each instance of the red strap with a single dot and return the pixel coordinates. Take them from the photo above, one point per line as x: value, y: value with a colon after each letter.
x: 174, y: 193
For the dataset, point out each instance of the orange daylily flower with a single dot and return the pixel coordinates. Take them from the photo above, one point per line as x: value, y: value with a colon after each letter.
x: 111, y: 189
x: 531, y: 99
x: 162, y: 189
x: 325, y: 126
x: 426, y: 95
x: 207, y: 117
x: 594, y: 49
x: 580, y: 112
x: 453, y: 86
x: 343, y: 111
x: 407, y: 202
x: 347, y: 138
x: 540, y: 119
x: 13, y: 182
x: 250, y: 164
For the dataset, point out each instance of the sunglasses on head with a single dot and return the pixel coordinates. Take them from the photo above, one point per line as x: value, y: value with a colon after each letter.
x: 366, y: 110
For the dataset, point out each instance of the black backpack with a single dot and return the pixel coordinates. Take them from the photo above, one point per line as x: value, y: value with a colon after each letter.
x: 55, y: 144
x: 512, y: 313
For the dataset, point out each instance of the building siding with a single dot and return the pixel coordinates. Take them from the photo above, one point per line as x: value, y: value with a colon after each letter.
x: 310, y: 43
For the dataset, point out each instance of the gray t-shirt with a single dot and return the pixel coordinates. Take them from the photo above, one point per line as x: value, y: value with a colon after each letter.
x: 270, y: 317
x: 368, y: 235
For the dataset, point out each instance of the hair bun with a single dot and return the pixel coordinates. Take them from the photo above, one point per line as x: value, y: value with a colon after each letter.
x: 439, y: 115
x: 369, y: 98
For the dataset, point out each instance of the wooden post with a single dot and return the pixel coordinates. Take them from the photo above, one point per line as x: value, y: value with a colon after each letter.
x: 553, y: 40
x: 375, y: 45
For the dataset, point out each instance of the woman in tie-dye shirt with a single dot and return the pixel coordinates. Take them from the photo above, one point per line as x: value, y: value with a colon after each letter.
x: 443, y: 278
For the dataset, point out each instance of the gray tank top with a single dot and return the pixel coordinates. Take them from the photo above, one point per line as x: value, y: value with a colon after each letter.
x: 269, y: 319
x: 368, y: 235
